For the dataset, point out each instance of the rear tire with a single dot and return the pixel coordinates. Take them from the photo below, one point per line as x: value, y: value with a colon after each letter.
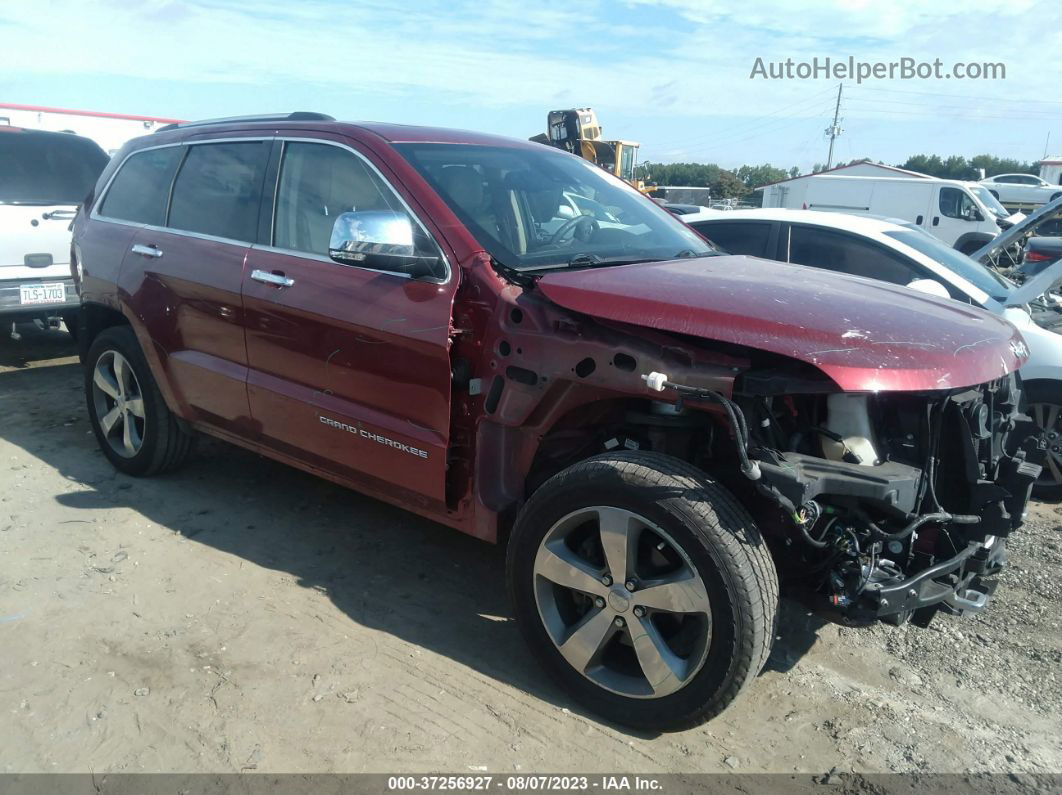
x: 662, y: 661
x: 135, y: 429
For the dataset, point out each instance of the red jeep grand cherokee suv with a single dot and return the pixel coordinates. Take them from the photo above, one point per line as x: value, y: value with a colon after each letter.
x: 505, y: 339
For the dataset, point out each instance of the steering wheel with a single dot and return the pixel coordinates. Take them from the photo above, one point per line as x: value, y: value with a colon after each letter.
x: 571, y: 226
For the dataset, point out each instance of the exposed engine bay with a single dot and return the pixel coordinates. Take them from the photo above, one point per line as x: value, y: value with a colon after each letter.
x: 891, y: 505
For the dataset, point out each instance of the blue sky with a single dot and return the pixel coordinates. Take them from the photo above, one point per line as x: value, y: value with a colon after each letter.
x: 673, y: 74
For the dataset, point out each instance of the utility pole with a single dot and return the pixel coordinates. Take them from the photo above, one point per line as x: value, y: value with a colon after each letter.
x: 834, y: 129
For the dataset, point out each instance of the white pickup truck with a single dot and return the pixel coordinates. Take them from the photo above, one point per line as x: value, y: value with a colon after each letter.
x: 44, y: 176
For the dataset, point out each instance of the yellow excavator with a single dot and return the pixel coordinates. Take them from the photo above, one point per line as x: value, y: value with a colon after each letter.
x: 578, y: 131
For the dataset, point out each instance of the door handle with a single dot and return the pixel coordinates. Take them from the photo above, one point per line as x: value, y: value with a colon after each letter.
x: 146, y: 251
x: 936, y: 220
x: 276, y: 279
x: 918, y: 220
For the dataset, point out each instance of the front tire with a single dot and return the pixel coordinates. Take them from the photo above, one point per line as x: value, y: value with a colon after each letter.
x: 644, y: 588
x: 135, y: 429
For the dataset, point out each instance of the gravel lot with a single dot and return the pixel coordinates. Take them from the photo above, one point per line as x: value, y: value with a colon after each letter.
x: 239, y: 615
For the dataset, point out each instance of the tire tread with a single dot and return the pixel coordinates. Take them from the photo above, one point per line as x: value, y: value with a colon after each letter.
x: 173, y: 444
x: 708, y: 509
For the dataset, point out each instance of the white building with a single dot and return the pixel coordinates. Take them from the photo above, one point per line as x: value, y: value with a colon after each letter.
x: 775, y: 193
x: 109, y: 130
x: 1051, y: 169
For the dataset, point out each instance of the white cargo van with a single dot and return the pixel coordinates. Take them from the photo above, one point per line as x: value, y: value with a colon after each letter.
x: 962, y: 214
x: 44, y: 176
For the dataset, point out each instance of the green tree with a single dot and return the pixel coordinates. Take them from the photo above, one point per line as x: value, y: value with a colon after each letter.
x: 721, y: 182
x: 754, y: 176
x: 958, y: 167
x: 925, y: 164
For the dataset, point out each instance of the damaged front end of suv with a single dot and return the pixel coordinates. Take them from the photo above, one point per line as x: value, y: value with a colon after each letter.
x: 895, y: 505
x: 881, y: 449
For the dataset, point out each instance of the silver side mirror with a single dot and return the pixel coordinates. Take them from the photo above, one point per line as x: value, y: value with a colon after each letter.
x: 379, y: 239
x: 357, y: 236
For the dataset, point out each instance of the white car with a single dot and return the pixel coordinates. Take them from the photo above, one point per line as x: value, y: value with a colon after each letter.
x: 962, y: 214
x: 899, y: 252
x: 44, y: 176
x: 1021, y: 189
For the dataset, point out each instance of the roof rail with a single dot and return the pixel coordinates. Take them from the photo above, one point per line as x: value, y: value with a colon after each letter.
x: 299, y: 115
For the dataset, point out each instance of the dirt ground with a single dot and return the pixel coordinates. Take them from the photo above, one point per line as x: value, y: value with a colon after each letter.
x: 242, y: 616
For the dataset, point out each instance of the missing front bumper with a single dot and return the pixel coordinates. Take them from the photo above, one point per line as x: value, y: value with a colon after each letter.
x: 959, y: 585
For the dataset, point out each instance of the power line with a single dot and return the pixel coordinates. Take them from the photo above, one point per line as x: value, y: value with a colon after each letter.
x: 749, y: 132
x: 769, y: 127
x: 935, y: 106
x: 972, y: 115
x: 959, y: 96
x: 750, y: 123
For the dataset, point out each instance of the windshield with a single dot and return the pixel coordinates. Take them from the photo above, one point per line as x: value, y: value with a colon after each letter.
x: 540, y: 208
x: 47, y: 168
x: 958, y: 263
x: 990, y: 201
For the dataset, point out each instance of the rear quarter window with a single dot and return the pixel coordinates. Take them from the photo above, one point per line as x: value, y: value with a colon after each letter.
x: 141, y: 188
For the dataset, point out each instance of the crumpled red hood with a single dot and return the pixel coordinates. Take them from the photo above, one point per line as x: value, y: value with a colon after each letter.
x: 863, y: 334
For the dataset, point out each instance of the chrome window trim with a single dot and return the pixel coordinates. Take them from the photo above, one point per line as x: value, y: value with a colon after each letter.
x: 96, y: 216
x: 180, y: 232
x: 285, y: 139
x: 290, y: 252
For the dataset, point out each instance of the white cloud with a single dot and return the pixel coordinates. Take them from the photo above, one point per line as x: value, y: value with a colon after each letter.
x: 649, y: 59
x: 503, y: 52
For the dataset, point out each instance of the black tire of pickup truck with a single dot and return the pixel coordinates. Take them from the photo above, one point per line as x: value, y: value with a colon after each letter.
x: 716, y: 535
x: 165, y: 443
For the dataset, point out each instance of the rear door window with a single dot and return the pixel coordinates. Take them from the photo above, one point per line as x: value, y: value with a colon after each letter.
x: 822, y: 248
x: 219, y: 188
x: 737, y: 237
x: 141, y: 188
x: 48, y: 168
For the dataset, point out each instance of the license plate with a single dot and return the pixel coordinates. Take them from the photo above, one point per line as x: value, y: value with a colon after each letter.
x: 42, y: 293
